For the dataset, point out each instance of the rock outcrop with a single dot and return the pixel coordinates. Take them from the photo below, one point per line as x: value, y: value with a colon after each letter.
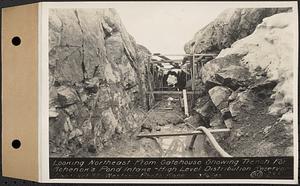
x: 250, y: 83
x: 268, y: 54
x: 97, y: 80
x: 230, y: 26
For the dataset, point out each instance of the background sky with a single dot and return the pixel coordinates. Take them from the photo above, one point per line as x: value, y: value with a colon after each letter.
x: 165, y: 28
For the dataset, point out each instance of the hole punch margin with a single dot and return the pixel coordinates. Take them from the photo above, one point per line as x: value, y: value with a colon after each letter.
x: 16, y: 144
x: 16, y: 41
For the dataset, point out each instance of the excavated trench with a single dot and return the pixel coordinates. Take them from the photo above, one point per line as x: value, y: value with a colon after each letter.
x: 165, y: 117
x: 99, y: 79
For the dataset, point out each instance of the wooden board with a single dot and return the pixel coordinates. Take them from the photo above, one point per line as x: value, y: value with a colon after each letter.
x: 185, y: 102
x: 173, y: 92
x: 182, y: 133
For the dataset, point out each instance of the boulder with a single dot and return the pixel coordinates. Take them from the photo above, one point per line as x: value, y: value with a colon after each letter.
x: 226, y: 113
x: 210, y: 83
x: 52, y: 96
x: 243, y: 99
x: 234, y: 77
x: 216, y: 121
x: 233, y: 96
x: 266, y: 85
x: 219, y: 96
x: 234, y: 108
x: 205, y: 107
x: 228, y: 123
x: 226, y: 71
x: 230, y: 63
x: 66, y: 96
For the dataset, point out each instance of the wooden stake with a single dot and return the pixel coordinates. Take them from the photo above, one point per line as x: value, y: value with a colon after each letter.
x: 193, y: 73
x: 151, y: 96
x: 186, y: 109
x: 183, y: 133
x: 208, y: 54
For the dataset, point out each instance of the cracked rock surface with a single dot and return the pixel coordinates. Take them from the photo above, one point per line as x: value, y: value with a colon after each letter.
x: 249, y: 83
x: 97, y: 80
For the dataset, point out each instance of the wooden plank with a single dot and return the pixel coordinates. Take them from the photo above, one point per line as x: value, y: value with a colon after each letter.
x: 149, y: 83
x: 163, y: 57
x: 208, y: 54
x: 168, y: 61
x: 186, y: 108
x: 172, y: 92
x: 183, y: 133
x: 193, y: 73
x: 154, y: 61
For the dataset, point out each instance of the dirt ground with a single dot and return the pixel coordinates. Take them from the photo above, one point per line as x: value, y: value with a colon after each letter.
x: 254, y: 133
x: 166, y: 117
x: 257, y: 133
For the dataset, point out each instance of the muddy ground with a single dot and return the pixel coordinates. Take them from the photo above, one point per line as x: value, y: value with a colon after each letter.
x: 165, y: 117
x: 254, y: 133
x: 257, y: 133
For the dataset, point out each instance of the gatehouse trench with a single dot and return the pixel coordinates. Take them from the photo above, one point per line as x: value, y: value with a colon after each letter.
x: 167, y: 128
x: 159, y: 121
x: 225, y: 96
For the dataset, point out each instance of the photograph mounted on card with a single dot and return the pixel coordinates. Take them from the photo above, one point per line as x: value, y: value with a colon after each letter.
x: 162, y: 92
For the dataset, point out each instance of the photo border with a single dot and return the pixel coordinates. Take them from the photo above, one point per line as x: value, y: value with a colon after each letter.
x: 44, y: 92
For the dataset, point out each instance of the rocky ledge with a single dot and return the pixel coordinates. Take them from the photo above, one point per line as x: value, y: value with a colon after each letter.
x: 97, y: 80
x: 249, y: 86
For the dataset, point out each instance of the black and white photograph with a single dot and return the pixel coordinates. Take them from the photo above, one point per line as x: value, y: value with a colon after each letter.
x: 173, y: 80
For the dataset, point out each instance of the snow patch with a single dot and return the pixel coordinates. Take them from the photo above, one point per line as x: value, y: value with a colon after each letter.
x: 271, y: 48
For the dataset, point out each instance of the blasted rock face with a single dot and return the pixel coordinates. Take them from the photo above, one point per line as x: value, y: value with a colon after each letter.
x: 96, y: 73
x: 230, y: 26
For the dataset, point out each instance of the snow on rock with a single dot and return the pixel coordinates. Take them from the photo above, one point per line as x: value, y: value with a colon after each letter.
x: 270, y: 48
x: 256, y: 63
x: 230, y: 26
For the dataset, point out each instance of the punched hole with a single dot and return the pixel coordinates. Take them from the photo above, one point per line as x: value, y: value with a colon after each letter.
x: 16, y: 40
x: 16, y: 144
